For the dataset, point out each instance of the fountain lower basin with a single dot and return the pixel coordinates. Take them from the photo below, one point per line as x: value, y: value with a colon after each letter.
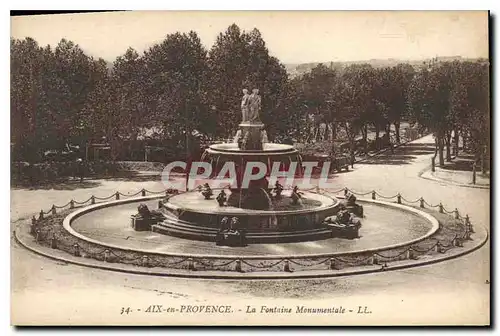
x: 189, y: 215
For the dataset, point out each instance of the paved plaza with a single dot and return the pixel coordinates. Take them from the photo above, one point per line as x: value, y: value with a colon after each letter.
x: 455, y: 290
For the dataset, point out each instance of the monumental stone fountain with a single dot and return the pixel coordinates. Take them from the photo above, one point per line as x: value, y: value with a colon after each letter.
x: 261, y: 213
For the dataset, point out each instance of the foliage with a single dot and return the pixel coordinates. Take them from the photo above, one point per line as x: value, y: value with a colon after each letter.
x: 189, y: 95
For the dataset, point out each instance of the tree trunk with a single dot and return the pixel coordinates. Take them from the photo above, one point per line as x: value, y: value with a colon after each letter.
x: 448, y: 146
x: 483, y: 160
x: 327, y: 129
x: 396, y: 126
x: 440, y: 143
x: 456, y: 140
x: 464, y: 141
x: 350, y: 136
x: 334, y: 131
x: 364, y: 133
x: 317, y: 133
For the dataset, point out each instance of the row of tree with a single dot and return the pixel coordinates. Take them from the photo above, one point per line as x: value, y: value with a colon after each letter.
x: 453, y: 99
x: 178, y: 88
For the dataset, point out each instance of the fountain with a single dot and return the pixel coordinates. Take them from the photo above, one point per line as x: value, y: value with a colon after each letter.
x: 265, y: 215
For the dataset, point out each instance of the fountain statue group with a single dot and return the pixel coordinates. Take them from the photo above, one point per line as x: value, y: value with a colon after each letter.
x: 251, y: 135
x: 250, y: 106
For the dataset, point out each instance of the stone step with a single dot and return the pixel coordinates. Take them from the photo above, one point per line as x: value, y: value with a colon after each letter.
x: 190, y: 226
x: 183, y: 230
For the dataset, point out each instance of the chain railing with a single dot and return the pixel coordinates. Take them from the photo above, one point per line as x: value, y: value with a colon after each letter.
x: 79, y: 248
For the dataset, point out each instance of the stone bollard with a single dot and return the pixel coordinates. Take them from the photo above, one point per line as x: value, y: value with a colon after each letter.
x: 53, y: 242
x: 107, y: 255
x: 437, y: 248
x: 33, y: 228
x: 92, y: 199
x: 117, y: 195
x: 373, y: 195
x: 286, y: 267
x: 374, y: 260
x: 433, y: 164
x: 191, y: 264
x: 422, y: 203
x: 53, y: 209
x: 469, y: 224
x: 237, y: 267
x: 144, y: 261
x: 471, y: 228
x: 456, y: 213
x: 409, y: 254
x: 71, y: 204
x: 370, y: 261
x: 41, y: 215
x: 399, y: 198
x: 441, y: 208
x: 76, y: 250
x: 333, y: 266
x: 143, y: 192
x: 474, y: 173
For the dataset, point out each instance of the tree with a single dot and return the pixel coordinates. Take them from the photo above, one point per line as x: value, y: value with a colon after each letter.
x: 429, y: 100
x: 68, y: 88
x: 176, y: 72
x: 26, y: 61
x: 469, y: 105
x: 357, y: 105
x: 317, y: 97
x: 391, y: 95
x: 238, y: 60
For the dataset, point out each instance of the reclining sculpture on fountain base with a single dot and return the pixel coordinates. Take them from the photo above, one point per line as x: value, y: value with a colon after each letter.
x: 144, y: 219
x: 344, y: 225
x: 230, y: 235
x: 351, y: 206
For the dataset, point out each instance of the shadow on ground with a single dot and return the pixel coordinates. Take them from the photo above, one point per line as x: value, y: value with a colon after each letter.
x: 59, y: 185
x: 91, y: 182
x: 136, y: 177
x: 458, y: 165
x: 401, y: 155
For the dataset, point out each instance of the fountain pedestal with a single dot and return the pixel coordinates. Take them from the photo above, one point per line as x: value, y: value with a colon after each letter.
x: 251, y: 135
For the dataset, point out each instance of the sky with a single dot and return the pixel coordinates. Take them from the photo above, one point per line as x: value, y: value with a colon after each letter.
x: 291, y: 36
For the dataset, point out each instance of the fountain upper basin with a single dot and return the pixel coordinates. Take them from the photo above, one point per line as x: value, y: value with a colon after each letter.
x: 268, y: 149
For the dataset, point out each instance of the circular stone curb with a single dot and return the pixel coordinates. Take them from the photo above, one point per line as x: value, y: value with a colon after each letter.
x: 68, y: 220
x: 481, y: 233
